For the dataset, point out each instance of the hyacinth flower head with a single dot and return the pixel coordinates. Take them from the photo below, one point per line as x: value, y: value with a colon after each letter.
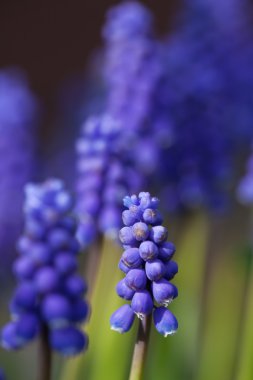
x: 133, y: 86
x: 198, y: 163
x: 103, y: 178
x: 49, y: 292
x: 18, y: 128
x: 148, y: 267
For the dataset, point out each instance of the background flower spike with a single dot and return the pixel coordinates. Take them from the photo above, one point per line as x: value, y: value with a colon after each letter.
x: 147, y: 265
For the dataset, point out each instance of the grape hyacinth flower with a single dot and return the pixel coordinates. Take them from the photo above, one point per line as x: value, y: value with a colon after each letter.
x: 134, y: 95
x: 198, y: 163
x: 48, y: 299
x: 148, y: 267
x: 18, y: 128
x: 102, y: 179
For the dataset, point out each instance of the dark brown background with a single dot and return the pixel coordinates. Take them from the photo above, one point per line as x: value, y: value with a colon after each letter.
x: 52, y: 39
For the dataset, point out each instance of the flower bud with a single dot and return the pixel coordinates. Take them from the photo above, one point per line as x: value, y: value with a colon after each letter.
x: 171, y: 269
x: 154, y: 269
x: 140, y: 231
x: 166, y: 251
x: 56, y: 310
x: 126, y: 236
x: 164, y: 292
x: 131, y: 258
x: 136, y: 279
x: 124, y: 291
x: 142, y: 303
x: 158, y: 234
x: 122, y: 319
x: 165, y: 322
x: 148, y: 250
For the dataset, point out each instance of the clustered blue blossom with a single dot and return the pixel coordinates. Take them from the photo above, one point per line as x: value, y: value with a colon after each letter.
x: 148, y: 267
x: 133, y: 85
x: 198, y: 162
x: 103, y: 178
x: 18, y: 128
x: 49, y: 294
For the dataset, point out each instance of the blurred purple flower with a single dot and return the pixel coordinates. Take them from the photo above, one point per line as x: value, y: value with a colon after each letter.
x: 18, y: 129
x: 49, y: 293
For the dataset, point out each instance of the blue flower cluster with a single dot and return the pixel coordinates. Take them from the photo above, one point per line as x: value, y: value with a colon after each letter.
x: 147, y: 265
x: 101, y: 178
x: 132, y: 84
x: 18, y: 126
x: 49, y: 294
x: 198, y: 163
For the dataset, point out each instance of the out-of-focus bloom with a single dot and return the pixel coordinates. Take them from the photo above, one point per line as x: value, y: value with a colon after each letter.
x: 134, y: 72
x: 245, y: 187
x: 197, y: 167
x: 18, y: 128
x: 147, y: 264
x: 49, y: 293
x: 104, y: 177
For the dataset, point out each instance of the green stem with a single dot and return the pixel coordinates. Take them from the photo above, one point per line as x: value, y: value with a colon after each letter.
x: 140, y: 349
x: 44, y: 367
x: 93, y: 264
x: 245, y: 305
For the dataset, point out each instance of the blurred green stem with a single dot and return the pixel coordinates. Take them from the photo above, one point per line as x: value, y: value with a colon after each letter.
x: 245, y: 306
x: 44, y: 365
x: 93, y: 264
x: 209, y: 265
x: 140, y: 349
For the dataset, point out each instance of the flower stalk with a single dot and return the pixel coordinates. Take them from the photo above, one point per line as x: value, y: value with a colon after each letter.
x: 45, y: 359
x: 140, y: 349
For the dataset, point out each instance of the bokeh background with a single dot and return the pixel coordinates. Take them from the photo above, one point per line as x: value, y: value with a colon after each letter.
x: 56, y: 44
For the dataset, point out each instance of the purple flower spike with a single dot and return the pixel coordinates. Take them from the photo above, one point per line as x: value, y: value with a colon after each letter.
x: 165, y: 322
x: 122, y: 319
x: 19, y: 113
x: 103, y: 178
x: 49, y: 295
x: 146, y: 264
